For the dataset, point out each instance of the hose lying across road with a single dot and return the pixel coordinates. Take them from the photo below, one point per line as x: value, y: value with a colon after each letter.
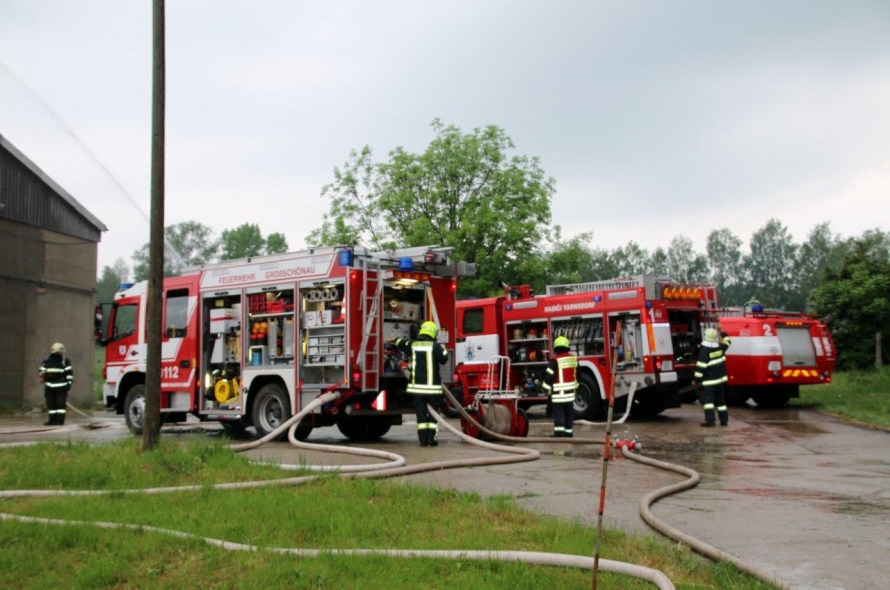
x: 395, y: 466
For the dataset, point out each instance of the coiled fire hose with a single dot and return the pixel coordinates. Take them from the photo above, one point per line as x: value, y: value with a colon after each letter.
x: 396, y: 467
x: 673, y: 533
x: 375, y: 471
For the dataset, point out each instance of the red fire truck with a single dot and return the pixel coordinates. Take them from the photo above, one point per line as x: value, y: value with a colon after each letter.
x: 773, y: 353
x: 252, y: 341
x: 662, y: 325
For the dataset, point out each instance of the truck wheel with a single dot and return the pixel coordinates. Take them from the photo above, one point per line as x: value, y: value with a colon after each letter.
x: 772, y: 398
x: 447, y: 409
x: 589, y: 403
x: 234, y: 429
x: 270, y: 410
x: 304, y: 429
x: 363, y: 427
x: 134, y: 408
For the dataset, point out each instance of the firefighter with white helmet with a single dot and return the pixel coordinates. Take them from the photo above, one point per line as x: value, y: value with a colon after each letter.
x: 57, y: 375
x: 560, y: 383
x: 424, y: 383
x: 710, y: 372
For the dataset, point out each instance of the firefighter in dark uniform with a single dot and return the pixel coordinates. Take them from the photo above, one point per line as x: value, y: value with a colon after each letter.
x: 57, y: 375
x: 560, y: 383
x: 710, y: 372
x: 424, y: 383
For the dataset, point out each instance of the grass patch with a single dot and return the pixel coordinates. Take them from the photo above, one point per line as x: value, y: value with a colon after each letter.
x: 861, y: 396
x: 327, y: 513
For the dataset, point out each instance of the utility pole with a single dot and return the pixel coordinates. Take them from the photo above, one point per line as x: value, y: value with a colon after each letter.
x: 151, y: 422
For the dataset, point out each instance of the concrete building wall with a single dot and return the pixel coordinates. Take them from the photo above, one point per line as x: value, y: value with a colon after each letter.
x: 47, y: 281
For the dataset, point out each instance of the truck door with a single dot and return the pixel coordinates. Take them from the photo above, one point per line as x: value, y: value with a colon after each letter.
x: 474, y: 343
x: 122, y: 347
x: 179, y: 341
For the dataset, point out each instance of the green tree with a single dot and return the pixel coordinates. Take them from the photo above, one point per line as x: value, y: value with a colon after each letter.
x: 276, y: 243
x: 111, y: 278
x: 684, y: 263
x: 188, y: 243
x: 463, y: 191
x: 567, y: 258
x: 771, y: 263
x: 243, y: 241
x: 630, y: 260
x: 724, y: 259
x: 823, y: 250
x: 855, y: 300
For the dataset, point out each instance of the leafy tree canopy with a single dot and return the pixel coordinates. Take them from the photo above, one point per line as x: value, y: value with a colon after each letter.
x: 855, y: 299
x: 188, y: 243
x: 464, y: 191
x: 110, y: 280
x: 247, y: 240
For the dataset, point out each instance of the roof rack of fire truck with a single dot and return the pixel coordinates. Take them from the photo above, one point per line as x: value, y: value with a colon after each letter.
x: 746, y: 311
x: 651, y: 283
x: 421, y: 255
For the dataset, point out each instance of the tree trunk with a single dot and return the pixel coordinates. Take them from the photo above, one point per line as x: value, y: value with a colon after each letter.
x: 878, y: 349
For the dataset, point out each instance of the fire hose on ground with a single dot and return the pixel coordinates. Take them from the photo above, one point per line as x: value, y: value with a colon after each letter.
x: 395, y: 466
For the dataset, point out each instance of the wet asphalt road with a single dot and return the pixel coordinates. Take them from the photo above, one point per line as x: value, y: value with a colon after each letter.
x: 796, y: 493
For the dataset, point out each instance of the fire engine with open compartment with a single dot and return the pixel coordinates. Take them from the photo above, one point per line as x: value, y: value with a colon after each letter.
x: 662, y: 325
x: 250, y: 342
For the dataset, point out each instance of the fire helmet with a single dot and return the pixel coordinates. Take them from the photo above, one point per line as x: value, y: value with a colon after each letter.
x: 57, y: 348
x: 711, y: 335
x: 429, y: 329
x: 562, y: 342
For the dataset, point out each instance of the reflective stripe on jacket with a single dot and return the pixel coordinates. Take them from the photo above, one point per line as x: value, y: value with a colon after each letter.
x: 561, y: 378
x: 710, y: 369
x: 425, y: 355
x: 56, y: 372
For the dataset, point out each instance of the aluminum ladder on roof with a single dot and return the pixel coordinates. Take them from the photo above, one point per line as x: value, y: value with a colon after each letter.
x: 369, y: 353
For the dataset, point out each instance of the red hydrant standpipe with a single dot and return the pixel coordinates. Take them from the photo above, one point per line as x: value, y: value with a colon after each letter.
x: 606, y: 452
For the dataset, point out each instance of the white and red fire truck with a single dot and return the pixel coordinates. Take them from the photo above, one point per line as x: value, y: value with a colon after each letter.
x: 773, y: 353
x: 252, y: 341
x: 662, y: 326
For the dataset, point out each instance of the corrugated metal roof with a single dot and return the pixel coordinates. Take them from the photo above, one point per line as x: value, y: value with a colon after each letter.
x: 24, y: 200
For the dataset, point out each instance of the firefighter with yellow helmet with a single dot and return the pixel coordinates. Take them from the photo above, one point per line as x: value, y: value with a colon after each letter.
x: 57, y: 375
x: 560, y: 383
x: 424, y: 383
x: 710, y: 372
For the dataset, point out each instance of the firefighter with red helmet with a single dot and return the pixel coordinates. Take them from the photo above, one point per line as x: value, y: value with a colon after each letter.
x: 424, y: 382
x: 57, y: 375
x: 560, y: 383
x: 710, y: 372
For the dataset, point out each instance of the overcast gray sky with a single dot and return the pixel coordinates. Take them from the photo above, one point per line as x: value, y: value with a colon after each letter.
x: 656, y: 119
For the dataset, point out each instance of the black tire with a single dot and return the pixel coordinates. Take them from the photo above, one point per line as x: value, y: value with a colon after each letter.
x: 304, y: 429
x: 134, y: 409
x: 270, y: 410
x: 589, y: 403
x: 173, y: 417
x: 363, y: 428
x: 449, y: 411
x: 234, y: 429
x: 771, y: 398
x: 647, y: 407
